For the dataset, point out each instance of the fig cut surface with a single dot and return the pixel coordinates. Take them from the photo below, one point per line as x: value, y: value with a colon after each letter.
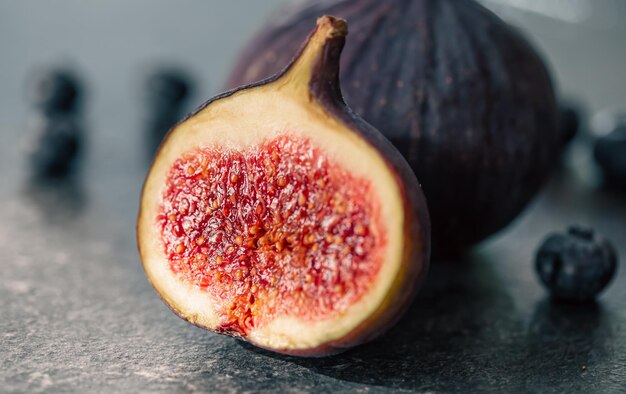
x: 274, y: 214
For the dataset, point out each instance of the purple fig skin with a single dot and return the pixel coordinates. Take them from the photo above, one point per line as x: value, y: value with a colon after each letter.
x: 462, y: 95
x: 325, y: 90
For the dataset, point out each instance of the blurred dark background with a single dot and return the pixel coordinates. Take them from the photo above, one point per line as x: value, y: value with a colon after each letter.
x: 77, y: 314
x: 113, y: 43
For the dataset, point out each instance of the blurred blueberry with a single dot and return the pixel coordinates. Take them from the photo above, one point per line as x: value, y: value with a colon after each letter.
x: 55, y: 146
x: 166, y: 90
x: 569, y: 121
x: 55, y: 90
x: 610, y: 154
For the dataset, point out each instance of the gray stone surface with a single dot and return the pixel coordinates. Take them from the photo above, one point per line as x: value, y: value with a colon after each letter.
x: 78, y: 315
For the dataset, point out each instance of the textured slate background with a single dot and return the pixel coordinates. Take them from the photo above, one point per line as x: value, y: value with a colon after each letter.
x: 77, y: 314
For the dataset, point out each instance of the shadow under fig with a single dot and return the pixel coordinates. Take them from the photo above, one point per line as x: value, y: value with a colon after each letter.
x: 436, y: 343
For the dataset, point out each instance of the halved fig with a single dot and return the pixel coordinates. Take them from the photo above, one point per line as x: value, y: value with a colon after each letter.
x: 274, y: 214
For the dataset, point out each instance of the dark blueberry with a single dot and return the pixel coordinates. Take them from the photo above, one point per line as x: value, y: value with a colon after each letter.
x: 56, y: 91
x: 576, y: 265
x: 55, y: 147
x: 610, y: 154
x: 569, y: 121
x: 167, y: 89
x: 157, y: 128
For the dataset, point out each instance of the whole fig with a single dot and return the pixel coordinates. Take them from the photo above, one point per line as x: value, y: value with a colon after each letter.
x: 461, y: 94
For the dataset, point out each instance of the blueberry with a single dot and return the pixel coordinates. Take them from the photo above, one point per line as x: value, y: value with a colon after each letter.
x: 166, y: 90
x: 569, y: 122
x: 56, y: 145
x: 56, y: 91
x: 610, y: 154
x: 576, y: 265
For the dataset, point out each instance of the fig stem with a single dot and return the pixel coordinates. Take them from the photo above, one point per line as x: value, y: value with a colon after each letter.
x: 316, y: 67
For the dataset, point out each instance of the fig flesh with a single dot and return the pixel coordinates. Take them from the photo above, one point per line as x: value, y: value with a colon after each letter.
x: 463, y: 96
x: 276, y: 215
